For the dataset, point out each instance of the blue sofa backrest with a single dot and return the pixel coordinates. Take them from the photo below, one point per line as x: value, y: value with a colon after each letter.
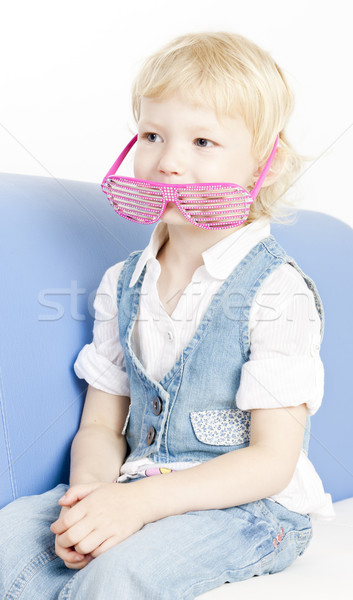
x: 57, y: 238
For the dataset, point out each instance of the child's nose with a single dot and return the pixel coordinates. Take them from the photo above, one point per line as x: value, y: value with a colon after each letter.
x: 172, y: 162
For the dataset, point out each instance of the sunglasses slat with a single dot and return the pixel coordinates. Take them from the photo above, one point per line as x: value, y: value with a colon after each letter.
x: 139, y: 198
x: 141, y: 205
x: 133, y: 185
x: 218, y: 208
x: 136, y: 194
x: 207, y: 194
x: 144, y: 210
x: 128, y: 210
x: 216, y: 219
x: 141, y: 218
x: 211, y: 204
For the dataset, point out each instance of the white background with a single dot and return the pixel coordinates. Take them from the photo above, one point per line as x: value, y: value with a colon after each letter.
x: 67, y: 68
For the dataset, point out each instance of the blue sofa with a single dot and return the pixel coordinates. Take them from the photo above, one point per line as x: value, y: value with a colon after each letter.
x: 57, y: 237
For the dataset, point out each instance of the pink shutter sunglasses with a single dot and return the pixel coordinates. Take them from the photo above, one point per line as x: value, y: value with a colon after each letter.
x: 206, y: 205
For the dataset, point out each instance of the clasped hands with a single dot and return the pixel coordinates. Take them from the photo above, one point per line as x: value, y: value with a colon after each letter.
x: 94, y: 518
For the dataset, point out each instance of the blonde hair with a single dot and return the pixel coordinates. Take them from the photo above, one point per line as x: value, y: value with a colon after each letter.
x: 233, y: 76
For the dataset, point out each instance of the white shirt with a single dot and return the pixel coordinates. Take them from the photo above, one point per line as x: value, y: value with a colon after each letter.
x: 284, y: 367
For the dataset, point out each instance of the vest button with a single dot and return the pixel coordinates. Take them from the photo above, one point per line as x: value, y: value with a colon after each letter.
x: 150, y: 435
x: 157, y: 405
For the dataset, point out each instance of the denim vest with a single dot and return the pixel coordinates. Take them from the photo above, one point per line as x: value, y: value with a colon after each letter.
x: 191, y: 413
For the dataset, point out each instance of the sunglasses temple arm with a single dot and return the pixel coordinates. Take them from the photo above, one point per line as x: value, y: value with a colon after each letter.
x: 266, y: 169
x: 121, y: 157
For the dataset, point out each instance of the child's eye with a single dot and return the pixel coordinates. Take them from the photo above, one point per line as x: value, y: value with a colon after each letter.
x: 150, y: 137
x: 203, y: 143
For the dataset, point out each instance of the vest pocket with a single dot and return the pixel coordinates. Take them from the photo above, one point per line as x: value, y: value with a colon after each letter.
x: 221, y: 427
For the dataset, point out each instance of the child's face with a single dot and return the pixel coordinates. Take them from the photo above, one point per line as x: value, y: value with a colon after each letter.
x: 181, y: 143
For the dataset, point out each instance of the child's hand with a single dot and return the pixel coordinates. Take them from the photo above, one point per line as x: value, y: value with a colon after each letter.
x: 71, y: 558
x: 104, y: 515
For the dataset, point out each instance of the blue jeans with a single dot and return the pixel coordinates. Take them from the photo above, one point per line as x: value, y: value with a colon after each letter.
x: 178, y: 557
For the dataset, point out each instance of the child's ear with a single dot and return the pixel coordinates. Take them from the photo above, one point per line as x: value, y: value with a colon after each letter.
x: 275, y: 169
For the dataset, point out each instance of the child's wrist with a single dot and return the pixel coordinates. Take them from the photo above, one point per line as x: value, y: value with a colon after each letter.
x: 85, y: 477
x: 154, y: 505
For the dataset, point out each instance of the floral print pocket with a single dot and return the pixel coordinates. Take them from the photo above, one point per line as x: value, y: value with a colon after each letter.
x: 221, y: 427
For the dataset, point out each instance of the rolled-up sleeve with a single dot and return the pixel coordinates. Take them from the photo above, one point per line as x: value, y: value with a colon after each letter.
x: 102, y: 362
x: 284, y: 367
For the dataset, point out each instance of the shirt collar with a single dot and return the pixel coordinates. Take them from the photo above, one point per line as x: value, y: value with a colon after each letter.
x: 224, y: 256
x: 221, y: 258
x: 158, y: 238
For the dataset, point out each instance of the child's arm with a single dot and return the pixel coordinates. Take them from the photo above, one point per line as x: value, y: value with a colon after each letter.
x: 97, y: 453
x: 262, y: 469
x: 98, y: 449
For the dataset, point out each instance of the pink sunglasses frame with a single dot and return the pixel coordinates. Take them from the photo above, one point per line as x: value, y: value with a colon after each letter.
x: 170, y: 192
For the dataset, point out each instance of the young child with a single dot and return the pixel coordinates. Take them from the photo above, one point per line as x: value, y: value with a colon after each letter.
x: 190, y: 466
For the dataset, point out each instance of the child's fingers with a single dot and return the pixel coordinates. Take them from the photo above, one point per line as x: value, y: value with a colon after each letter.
x: 77, y: 492
x: 68, y: 554
x: 72, y: 558
x: 78, y: 564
